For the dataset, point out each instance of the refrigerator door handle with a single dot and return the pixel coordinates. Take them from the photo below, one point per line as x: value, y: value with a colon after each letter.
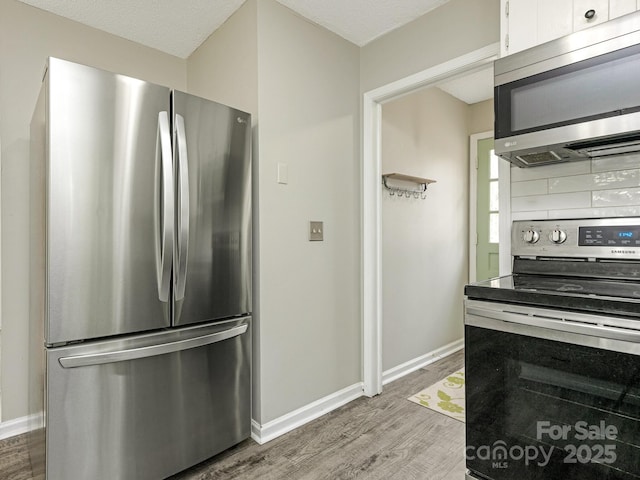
x: 182, y: 246
x: 150, y: 351
x: 164, y: 213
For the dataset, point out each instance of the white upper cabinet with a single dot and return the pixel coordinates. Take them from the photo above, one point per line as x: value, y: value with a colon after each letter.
x: 617, y: 8
x: 555, y: 19
x: 524, y: 14
x: 526, y: 23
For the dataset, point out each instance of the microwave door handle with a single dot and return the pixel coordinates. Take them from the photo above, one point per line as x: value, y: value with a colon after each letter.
x: 164, y: 212
x: 182, y: 246
x: 150, y: 351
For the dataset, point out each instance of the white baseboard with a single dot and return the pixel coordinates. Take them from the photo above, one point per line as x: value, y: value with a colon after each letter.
x: 273, y: 429
x: 18, y: 426
x: 260, y: 433
x: 417, y: 363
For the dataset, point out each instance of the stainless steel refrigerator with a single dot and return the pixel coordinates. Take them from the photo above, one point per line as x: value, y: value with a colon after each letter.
x: 140, y: 302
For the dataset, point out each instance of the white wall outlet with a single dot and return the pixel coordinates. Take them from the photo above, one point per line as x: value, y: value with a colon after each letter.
x: 316, y: 231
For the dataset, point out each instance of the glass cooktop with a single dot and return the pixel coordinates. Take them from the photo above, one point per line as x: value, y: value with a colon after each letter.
x: 618, y: 297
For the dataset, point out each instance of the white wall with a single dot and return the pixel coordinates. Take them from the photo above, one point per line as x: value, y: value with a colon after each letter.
x: 481, y: 117
x: 301, y: 84
x: 449, y: 31
x: 27, y: 37
x: 424, y: 242
x: 308, y: 85
x: 589, y: 188
x: 225, y: 67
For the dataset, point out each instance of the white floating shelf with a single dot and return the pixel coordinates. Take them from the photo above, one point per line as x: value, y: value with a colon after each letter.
x: 420, y: 182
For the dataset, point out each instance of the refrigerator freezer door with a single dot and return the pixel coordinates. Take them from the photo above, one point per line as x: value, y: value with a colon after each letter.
x: 212, y: 146
x: 149, y: 406
x: 110, y: 204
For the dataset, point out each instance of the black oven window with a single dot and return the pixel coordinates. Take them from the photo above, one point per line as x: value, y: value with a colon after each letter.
x: 540, y: 409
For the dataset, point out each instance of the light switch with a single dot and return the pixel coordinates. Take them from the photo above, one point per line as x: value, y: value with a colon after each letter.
x: 316, y: 231
x: 283, y: 173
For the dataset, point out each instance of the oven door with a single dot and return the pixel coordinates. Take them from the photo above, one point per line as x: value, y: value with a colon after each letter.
x: 551, y: 394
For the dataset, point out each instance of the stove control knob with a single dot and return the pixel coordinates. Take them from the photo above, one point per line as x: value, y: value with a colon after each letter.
x: 531, y: 236
x: 557, y: 236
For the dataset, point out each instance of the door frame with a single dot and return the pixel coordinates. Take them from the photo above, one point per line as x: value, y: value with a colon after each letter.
x: 504, y: 207
x: 371, y: 171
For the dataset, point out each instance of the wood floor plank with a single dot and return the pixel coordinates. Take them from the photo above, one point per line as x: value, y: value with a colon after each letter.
x: 457, y: 472
x: 384, y: 437
x: 386, y: 450
x: 14, y: 459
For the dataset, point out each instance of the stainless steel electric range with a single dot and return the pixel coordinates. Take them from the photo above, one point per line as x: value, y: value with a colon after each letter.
x: 553, y: 356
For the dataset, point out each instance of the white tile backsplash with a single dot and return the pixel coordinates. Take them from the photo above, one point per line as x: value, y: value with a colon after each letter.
x: 531, y: 187
x: 623, y: 162
x: 556, y: 201
x: 616, y: 198
x: 595, y: 181
x: 550, y: 171
x: 595, y: 212
x: 591, y: 188
x: 534, y: 215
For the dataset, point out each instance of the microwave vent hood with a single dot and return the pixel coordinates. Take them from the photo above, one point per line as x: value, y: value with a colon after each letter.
x: 573, y: 98
x: 605, y: 147
x: 538, y: 158
x: 624, y: 144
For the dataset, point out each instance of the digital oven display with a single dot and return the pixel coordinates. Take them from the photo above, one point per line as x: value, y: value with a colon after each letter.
x: 621, y: 236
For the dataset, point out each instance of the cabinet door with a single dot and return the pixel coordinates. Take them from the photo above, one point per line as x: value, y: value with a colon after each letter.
x: 522, y: 21
x: 554, y: 19
x: 504, y: 28
x: 580, y: 16
x: 617, y: 8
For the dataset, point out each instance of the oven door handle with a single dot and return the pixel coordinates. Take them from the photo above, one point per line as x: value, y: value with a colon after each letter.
x: 557, y: 323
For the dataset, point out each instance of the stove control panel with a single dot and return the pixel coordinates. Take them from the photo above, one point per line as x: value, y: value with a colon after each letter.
x: 591, y: 238
x: 618, y: 236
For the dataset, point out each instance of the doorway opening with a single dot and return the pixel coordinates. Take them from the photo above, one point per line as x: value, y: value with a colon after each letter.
x: 372, y: 196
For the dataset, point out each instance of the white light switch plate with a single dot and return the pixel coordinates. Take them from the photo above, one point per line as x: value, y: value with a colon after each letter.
x: 283, y: 173
x: 316, y: 231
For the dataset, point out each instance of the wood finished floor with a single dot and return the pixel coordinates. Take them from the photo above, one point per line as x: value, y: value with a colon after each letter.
x: 385, y: 437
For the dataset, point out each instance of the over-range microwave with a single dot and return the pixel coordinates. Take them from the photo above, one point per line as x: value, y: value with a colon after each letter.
x: 572, y: 98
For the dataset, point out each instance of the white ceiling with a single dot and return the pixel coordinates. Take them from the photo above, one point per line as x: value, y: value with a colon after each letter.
x: 361, y: 21
x: 178, y: 27
x: 471, y: 88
